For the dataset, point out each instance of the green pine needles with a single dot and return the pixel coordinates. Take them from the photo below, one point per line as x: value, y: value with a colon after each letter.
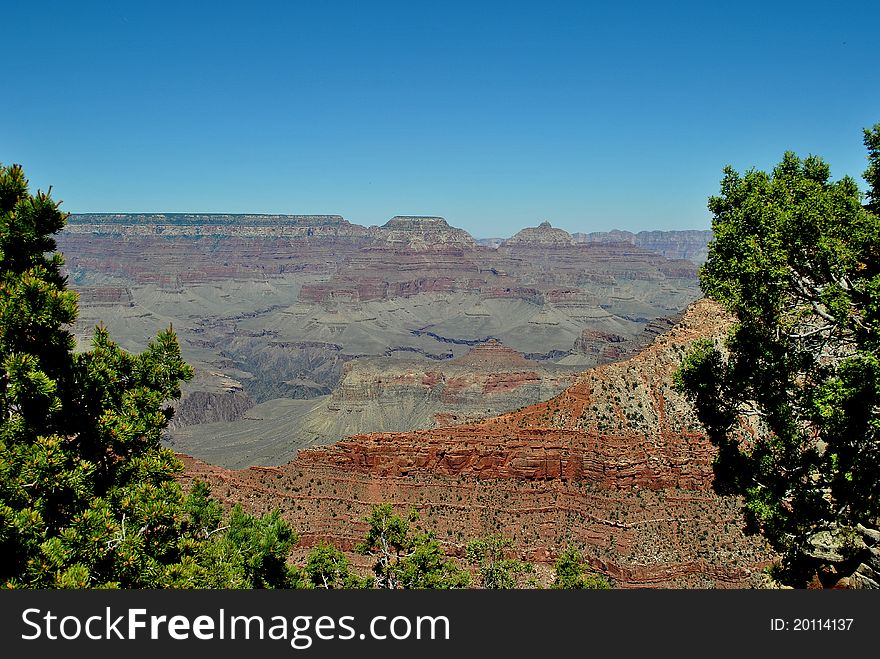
x: 88, y: 497
x: 791, y: 397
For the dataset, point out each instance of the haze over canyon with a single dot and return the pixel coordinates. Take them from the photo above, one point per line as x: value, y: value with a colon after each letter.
x: 306, y: 329
x: 519, y: 386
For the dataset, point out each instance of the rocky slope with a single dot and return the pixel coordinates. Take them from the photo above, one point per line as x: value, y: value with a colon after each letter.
x: 615, y: 464
x: 282, y: 305
x: 379, y: 394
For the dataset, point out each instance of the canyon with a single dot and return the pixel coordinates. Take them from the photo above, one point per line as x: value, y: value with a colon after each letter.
x: 520, y: 386
x: 305, y: 329
x: 615, y: 464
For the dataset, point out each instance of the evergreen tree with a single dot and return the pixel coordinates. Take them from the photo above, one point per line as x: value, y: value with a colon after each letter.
x: 495, y: 570
x: 405, y: 558
x: 791, y: 396
x: 573, y: 573
x: 327, y: 567
x: 88, y: 497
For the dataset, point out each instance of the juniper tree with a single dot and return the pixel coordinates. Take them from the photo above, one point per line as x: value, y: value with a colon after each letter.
x: 494, y: 568
x: 791, y: 397
x: 88, y: 497
x: 572, y: 573
x: 405, y: 557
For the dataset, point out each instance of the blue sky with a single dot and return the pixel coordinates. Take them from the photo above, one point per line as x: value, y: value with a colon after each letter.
x: 494, y: 115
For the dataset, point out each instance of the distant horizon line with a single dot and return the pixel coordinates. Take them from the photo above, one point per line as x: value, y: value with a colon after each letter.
x: 412, y: 216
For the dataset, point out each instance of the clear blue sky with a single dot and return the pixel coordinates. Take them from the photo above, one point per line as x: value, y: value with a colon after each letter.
x: 495, y: 115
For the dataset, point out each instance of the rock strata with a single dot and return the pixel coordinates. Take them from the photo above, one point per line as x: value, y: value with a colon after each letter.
x: 616, y: 464
x: 282, y: 304
x: 544, y: 234
x: 691, y: 245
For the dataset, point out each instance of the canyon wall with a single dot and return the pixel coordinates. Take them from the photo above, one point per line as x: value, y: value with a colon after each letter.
x: 616, y: 464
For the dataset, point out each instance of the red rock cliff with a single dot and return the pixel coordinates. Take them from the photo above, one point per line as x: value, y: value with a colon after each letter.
x: 615, y: 465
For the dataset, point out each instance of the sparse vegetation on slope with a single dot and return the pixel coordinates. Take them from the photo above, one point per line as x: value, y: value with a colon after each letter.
x: 635, y: 500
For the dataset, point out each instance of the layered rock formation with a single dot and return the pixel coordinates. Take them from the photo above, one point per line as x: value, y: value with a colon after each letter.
x: 542, y: 235
x: 210, y: 407
x: 603, y: 347
x: 422, y: 233
x: 380, y: 394
x: 282, y: 305
x: 615, y: 464
x: 691, y: 245
x: 198, y: 248
x: 621, y: 423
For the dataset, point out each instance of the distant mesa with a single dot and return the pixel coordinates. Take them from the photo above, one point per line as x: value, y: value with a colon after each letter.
x: 688, y: 244
x: 544, y: 234
x: 417, y: 223
x: 492, y: 353
x: 417, y: 232
x: 420, y: 233
x: 410, y: 231
x: 219, y: 225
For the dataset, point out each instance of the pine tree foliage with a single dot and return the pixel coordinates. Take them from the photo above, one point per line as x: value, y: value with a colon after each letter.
x: 573, y: 573
x: 494, y: 568
x: 88, y: 497
x: 405, y: 557
x: 328, y: 568
x: 791, y: 398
